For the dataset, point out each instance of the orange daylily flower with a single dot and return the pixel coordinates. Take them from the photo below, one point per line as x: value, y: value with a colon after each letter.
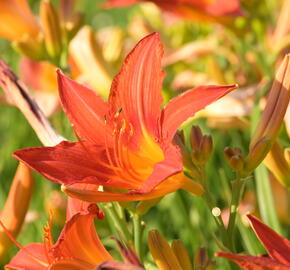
x: 17, y: 20
x: 196, y: 10
x: 78, y: 247
x: 126, y: 142
x: 277, y: 246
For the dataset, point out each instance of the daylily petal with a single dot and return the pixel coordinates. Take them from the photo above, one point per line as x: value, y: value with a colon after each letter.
x: 253, y: 262
x: 187, y: 104
x: 70, y: 264
x: 68, y: 163
x: 121, y: 3
x: 40, y: 76
x: 84, y: 108
x: 222, y: 7
x: 136, y: 90
x: 118, y: 266
x: 172, y: 164
x: 277, y: 246
x: 197, y: 10
x: 25, y: 259
x: 75, y: 206
x: 169, y: 185
x: 79, y: 239
x: 17, y: 20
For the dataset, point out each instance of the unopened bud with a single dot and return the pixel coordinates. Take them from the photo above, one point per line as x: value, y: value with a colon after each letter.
x: 257, y: 154
x: 15, y: 207
x: 188, y: 165
x: 195, y: 157
x: 201, y: 146
x: 70, y: 20
x: 195, y: 137
x: 201, y: 260
x: 277, y: 103
x: 234, y: 158
x: 74, y: 25
x: 232, y: 151
x: 179, y: 140
x: 181, y: 254
x: 206, y: 148
x: 51, y: 28
x: 276, y: 162
x: 161, y: 252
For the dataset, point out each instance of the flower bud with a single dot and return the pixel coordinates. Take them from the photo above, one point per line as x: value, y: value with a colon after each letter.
x: 51, y: 29
x: 195, y: 137
x: 70, y: 20
x: 188, y: 165
x: 16, y: 206
x: 257, y: 154
x: 161, y: 252
x: 201, y: 146
x: 276, y: 162
x: 272, y: 117
x: 234, y: 158
x: 201, y: 260
x: 206, y: 148
x: 181, y: 254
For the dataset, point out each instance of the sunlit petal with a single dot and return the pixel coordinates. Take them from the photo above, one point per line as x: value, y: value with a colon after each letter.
x: 187, y: 104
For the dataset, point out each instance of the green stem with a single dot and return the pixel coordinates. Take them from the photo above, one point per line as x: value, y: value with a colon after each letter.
x: 218, y: 220
x: 137, y: 233
x: 119, y: 224
x: 237, y: 191
x: 265, y: 199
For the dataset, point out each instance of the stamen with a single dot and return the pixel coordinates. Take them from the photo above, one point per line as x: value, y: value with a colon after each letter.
x: 47, y: 238
x: 99, y: 161
x: 125, y: 156
x: 118, y: 113
x: 131, y: 129
x: 107, y: 150
x: 115, y: 149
